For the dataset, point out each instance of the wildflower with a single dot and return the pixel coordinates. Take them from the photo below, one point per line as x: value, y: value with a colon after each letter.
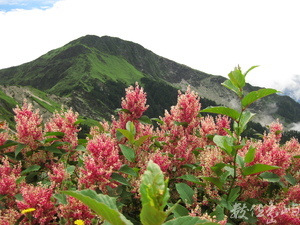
x: 3, y: 135
x: 135, y: 101
x: 75, y: 210
x: 79, y: 222
x: 28, y: 125
x: 100, y: 161
x: 39, y: 198
x: 64, y: 122
x: 24, y: 211
x: 58, y: 174
x: 8, y: 176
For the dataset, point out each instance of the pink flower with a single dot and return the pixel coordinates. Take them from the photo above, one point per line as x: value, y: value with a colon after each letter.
x: 276, y: 129
x: 102, y: 159
x: 222, y: 123
x: 58, y: 173
x: 294, y: 194
x: 3, y: 134
x: 278, y: 214
x: 74, y: 210
x: 28, y: 125
x: 39, y: 198
x: 9, y: 216
x: 65, y: 122
x: 134, y: 105
x: 8, y: 176
x: 162, y: 160
x: 185, y: 113
x: 135, y: 101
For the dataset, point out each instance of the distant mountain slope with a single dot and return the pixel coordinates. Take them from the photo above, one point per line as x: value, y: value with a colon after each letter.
x: 92, y: 73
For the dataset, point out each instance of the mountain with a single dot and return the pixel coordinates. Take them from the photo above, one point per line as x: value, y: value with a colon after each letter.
x: 91, y: 73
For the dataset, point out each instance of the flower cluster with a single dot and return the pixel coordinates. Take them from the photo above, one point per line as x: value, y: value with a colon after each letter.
x: 65, y: 122
x: 114, y: 155
x: 28, y: 125
x: 39, y: 198
x: 74, y: 211
x: 100, y: 162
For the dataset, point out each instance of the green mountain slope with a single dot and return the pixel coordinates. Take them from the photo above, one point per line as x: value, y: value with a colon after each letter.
x: 91, y: 74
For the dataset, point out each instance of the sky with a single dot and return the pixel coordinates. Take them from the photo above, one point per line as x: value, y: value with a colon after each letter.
x: 211, y: 36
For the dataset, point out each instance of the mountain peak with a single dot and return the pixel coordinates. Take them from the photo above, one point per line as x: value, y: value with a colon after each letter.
x: 103, y: 66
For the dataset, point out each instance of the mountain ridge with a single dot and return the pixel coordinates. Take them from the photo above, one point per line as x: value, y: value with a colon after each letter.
x: 104, y: 66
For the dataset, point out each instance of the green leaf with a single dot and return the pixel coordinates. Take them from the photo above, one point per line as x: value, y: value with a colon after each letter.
x: 255, y: 95
x: 57, y: 134
x: 103, y: 205
x: 70, y: 169
x: 245, y: 119
x: 123, y: 110
x: 128, y: 170
x: 154, y: 195
x: 128, y: 152
x: 186, y: 192
x: 31, y: 169
x: 240, y: 161
x: 119, y: 178
x: 215, y: 181
x: 82, y: 141
x: 19, y: 197
x: 179, y: 210
x: 191, y: 178
x: 218, y: 213
x: 126, y: 134
x: 249, y: 157
x: 270, y: 177
x: 251, y: 68
x: 228, y: 84
x: 52, y: 149
x: 289, y: 178
x: 1, y: 197
x: 61, y: 198
x: 141, y: 140
x: 234, y: 194
x: 237, y: 78
x: 184, y: 124
x: 188, y: 220
x: 158, y: 120
x: 8, y: 143
x: 223, y: 111
x: 225, y: 143
x: 257, y: 168
x: 217, y: 168
x: 49, y: 140
x: 131, y: 128
x: 80, y: 148
x: 145, y: 119
x: 20, y: 179
x: 19, y: 149
x: 79, y: 121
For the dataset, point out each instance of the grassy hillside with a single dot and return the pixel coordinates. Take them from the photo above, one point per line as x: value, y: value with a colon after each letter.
x: 91, y: 74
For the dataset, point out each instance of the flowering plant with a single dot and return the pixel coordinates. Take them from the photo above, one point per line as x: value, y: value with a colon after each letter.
x: 179, y: 168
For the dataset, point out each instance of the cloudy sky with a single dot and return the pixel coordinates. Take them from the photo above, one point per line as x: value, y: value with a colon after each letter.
x: 212, y: 36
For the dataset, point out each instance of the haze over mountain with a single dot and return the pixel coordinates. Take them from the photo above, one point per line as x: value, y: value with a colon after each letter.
x: 91, y: 73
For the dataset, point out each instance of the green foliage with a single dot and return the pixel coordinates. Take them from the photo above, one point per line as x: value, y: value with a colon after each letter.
x: 154, y: 196
x: 232, y: 143
x: 103, y: 205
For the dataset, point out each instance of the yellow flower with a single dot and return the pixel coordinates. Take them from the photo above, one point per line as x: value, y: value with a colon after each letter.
x: 79, y: 222
x: 27, y: 210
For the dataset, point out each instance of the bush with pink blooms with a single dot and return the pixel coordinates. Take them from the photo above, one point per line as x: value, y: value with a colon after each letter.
x: 179, y: 168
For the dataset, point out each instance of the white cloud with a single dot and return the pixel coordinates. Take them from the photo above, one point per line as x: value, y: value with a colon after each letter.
x: 212, y: 36
x: 294, y: 126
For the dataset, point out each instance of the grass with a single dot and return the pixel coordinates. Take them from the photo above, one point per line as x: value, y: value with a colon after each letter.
x: 116, y: 68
